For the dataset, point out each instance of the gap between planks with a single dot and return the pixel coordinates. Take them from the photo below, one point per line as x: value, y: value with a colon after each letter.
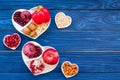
x: 69, y: 31
x: 71, y: 51
x: 65, y: 9
x: 61, y: 73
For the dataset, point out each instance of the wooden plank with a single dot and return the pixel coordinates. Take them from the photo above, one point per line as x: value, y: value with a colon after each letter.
x: 73, y: 41
x: 88, y: 62
x: 83, y: 20
x: 59, y: 76
x: 62, y: 4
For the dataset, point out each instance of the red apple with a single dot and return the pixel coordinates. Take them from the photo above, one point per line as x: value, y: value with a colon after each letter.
x: 50, y: 56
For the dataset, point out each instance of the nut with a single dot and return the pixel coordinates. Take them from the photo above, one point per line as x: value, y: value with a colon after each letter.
x: 26, y: 31
x: 32, y: 26
x: 33, y: 34
x: 69, y: 69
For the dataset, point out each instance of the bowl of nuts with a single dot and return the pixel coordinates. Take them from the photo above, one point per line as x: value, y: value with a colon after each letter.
x: 69, y: 69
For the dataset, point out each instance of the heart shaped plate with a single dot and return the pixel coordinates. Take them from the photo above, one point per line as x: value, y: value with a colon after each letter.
x: 39, y: 59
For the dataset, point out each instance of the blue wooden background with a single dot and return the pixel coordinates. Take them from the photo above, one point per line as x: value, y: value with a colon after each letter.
x: 92, y: 41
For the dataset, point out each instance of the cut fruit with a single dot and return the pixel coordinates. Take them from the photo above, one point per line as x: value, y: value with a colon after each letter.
x: 36, y: 66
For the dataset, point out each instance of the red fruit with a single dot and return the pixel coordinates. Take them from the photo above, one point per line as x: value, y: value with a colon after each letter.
x: 25, y: 16
x: 38, y: 18
x: 46, y: 13
x: 36, y: 66
x: 50, y: 56
x: 22, y: 18
x: 39, y: 51
x: 41, y: 15
x: 12, y: 41
x: 29, y: 50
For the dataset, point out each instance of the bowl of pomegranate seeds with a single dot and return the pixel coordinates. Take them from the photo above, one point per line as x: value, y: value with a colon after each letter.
x: 12, y: 41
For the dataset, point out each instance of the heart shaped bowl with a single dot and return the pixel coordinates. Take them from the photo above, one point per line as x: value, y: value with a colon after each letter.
x: 44, y: 60
x: 62, y: 20
x: 27, y: 29
x: 6, y: 43
x: 69, y: 69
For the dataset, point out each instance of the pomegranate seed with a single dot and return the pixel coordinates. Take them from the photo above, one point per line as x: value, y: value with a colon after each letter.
x: 12, y: 40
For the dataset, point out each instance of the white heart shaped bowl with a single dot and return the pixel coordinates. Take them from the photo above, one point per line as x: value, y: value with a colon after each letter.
x: 71, y: 64
x: 19, y: 28
x: 64, y: 16
x: 13, y: 48
x: 48, y: 67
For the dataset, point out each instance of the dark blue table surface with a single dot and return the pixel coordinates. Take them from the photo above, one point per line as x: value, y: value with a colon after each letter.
x: 92, y: 41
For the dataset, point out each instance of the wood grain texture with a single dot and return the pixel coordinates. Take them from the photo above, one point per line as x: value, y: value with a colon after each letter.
x: 73, y: 40
x: 88, y: 62
x: 83, y: 20
x: 92, y: 41
x: 93, y: 66
x: 59, y: 76
x: 61, y: 4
